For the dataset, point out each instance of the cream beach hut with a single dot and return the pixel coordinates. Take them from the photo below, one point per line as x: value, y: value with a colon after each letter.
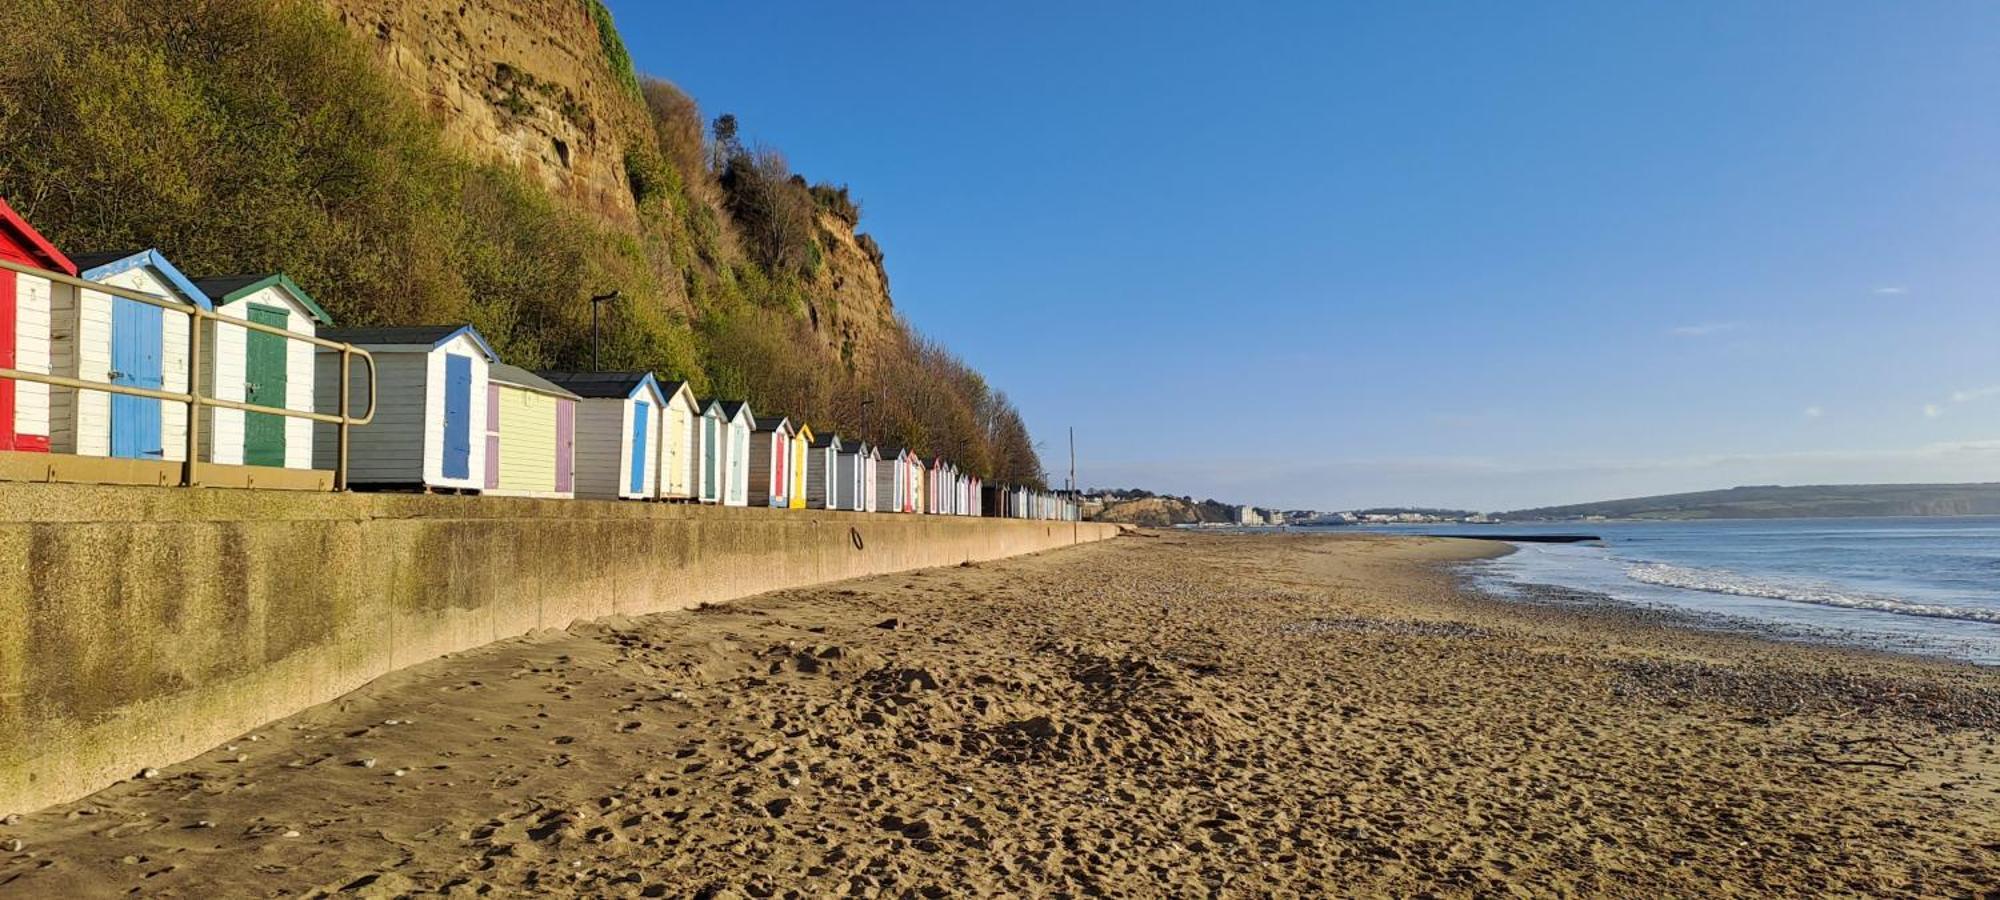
x: 824, y: 487
x: 892, y: 480
x: 739, y: 423
x: 430, y: 407
x: 95, y: 336
x: 617, y: 432
x: 530, y: 435
x: 680, y: 442
x: 771, y: 462
x: 802, y: 438
x: 25, y: 305
x: 260, y: 369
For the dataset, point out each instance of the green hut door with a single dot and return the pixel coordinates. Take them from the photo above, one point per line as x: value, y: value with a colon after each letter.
x: 264, y: 376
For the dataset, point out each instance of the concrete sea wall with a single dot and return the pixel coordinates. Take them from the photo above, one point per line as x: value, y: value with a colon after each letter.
x: 140, y: 626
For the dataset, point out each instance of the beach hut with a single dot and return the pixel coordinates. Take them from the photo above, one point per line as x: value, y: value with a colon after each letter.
x: 617, y: 432
x: 824, y: 488
x: 680, y: 442
x: 937, y: 486
x: 891, y: 481
x: 713, y: 438
x: 913, y: 495
x: 771, y: 462
x: 260, y: 369
x: 26, y: 302
x: 866, y: 464
x: 739, y: 423
x: 101, y: 337
x: 530, y: 435
x: 802, y: 438
x: 430, y: 407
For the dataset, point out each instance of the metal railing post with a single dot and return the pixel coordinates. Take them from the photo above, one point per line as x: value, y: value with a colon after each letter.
x: 340, y: 459
x: 191, y: 476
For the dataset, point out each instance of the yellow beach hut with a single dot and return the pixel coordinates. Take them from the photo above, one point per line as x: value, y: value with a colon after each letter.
x: 530, y: 435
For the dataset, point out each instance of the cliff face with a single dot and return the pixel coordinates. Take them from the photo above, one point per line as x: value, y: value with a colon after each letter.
x: 529, y: 83
x: 522, y: 82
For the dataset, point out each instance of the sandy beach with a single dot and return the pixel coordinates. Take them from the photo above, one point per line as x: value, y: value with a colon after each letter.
x: 1164, y: 714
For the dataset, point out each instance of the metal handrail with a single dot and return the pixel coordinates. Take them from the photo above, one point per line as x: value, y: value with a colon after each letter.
x: 193, y: 397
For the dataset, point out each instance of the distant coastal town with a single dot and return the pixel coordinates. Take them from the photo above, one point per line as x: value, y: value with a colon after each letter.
x: 1140, y: 507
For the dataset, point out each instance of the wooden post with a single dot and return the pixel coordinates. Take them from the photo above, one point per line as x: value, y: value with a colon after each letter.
x: 340, y: 462
x: 192, y: 475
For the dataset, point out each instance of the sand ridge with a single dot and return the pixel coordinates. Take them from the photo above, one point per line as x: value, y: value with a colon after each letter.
x: 1160, y: 715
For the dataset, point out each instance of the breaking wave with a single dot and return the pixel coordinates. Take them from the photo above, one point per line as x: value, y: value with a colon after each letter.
x: 1720, y: 582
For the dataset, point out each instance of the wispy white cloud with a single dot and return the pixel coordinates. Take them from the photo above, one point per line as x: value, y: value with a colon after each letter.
x: 1979, y: 393
x: 1703, y: 329
x: 1892, y: 291
x: 1814, y: 412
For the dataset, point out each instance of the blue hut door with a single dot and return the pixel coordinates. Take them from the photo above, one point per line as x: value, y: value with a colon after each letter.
x: 639, y: 429
x: 457, y: 416
x: 137, y: 331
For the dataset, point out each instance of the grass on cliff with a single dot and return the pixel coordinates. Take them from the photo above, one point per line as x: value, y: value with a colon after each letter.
x: 258, y: 135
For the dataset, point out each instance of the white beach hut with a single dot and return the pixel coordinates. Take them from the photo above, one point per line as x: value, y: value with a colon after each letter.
x: 739, y: 422
x: 530, y: 435
x: 771, y: 462
x: 680, y: 442
x: 430, y: 409
x: 260, y: 369
x: 868, y: 462
x: 95, y: 336
x: 712, y: 439
x: 824, y: 488
x: 893, y: 481
x: 617, y: 432
x: 25, y: 308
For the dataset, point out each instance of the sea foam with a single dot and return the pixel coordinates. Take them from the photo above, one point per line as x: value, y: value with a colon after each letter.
x: 1722, y: 582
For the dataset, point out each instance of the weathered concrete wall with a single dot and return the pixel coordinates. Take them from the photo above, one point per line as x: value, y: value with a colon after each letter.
x: 140, y: 626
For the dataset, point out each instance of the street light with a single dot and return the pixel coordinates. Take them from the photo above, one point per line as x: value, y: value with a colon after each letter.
x: 595, y: 302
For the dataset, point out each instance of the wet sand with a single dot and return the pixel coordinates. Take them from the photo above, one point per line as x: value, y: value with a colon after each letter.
x: 1158, y: 715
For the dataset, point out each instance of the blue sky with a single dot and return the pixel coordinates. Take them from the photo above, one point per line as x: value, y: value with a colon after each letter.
x: 1481, y: 255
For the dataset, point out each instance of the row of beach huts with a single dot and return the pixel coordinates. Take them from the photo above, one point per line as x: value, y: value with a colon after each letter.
x: 449, y: 415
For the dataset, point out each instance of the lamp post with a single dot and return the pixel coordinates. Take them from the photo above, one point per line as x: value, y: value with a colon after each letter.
x: 595, y: 302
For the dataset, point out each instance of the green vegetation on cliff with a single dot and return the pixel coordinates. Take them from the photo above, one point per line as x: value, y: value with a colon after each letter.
x: 259, y: 135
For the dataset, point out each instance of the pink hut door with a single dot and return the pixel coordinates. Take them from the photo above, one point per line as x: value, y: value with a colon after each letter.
x: 565, y: 446
x: 492, y: 436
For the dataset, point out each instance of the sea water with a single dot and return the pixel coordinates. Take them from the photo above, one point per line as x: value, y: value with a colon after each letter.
x: 1918, y: 585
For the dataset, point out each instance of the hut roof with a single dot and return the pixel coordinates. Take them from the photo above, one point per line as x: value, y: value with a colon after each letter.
x: 430, y: 336
x: 229, y: 288
x: 99, y: 266
x: 603, y: 385
x: 772, y: 423
x: 522, y: 378
x: 32, y: 241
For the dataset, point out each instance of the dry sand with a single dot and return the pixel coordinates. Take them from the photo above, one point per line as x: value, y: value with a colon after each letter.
x: 1160, y: 715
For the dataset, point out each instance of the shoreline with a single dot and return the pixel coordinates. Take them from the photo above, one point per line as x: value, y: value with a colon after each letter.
x: 1236, y: 715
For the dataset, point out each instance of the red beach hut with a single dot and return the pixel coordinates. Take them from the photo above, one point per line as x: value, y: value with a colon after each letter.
x: 25, y: 304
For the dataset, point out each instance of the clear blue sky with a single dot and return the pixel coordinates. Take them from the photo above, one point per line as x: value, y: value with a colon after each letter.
x: 1483, y: 255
